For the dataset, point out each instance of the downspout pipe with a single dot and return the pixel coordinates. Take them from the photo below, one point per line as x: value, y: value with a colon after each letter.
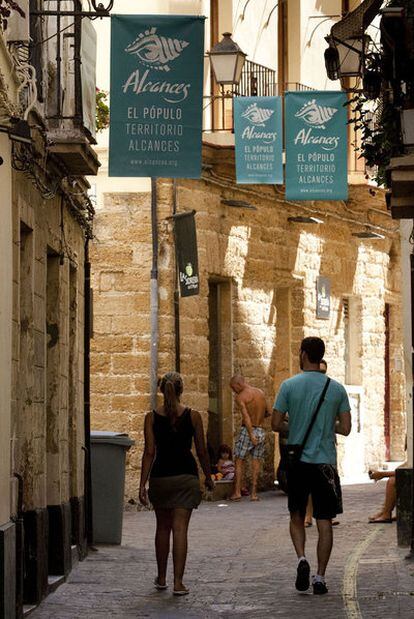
x: 154, y: 295
x: 86, y: 397
x: 176, y: 295
x: 411, y: 554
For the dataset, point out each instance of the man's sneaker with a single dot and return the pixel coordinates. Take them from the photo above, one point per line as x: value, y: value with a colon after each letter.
x: 319, y: 587
x: 302, y: 576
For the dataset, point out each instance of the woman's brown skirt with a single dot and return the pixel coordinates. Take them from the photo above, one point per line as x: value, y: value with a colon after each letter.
x: 176, y: 491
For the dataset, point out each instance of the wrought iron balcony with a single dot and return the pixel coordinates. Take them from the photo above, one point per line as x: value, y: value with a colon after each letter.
x: 256, y: 81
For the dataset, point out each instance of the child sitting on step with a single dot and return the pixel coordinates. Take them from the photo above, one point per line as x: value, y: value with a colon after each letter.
x: 225, y: 465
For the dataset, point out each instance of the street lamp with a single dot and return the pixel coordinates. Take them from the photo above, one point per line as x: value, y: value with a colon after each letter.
x: 227, y: 61
x: 348, y: 43
x: 345, y: 58
x: 332, y: 63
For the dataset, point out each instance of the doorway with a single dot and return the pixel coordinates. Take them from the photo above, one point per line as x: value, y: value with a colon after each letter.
x: 220, y: 328
x: 352, y: 450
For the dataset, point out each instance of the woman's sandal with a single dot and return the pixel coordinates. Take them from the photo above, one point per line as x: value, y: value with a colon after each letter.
x: 158, y: 586
x: 181, y: 591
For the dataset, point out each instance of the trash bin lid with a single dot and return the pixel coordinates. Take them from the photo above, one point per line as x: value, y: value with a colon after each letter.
x: 112, y: 438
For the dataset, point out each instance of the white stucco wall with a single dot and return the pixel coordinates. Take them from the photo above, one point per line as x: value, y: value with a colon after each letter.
x: 314, y: 25
x: 254, y: 33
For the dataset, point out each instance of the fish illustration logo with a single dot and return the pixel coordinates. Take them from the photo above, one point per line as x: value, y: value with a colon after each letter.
x: 316, y: 115
x: 156, y: 51
x: 257, y: 115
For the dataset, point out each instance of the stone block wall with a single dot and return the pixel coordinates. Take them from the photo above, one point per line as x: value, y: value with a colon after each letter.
x: 269, y: 266
x: 47, y: 360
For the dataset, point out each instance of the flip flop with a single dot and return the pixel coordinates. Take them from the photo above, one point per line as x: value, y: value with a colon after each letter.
x: 158, y: 586
x: 237, y: 498
x: 335, y: 523
x: 255, y: 498
x: 308, y: 524
x: 381, y: 521
x: 179, y: 592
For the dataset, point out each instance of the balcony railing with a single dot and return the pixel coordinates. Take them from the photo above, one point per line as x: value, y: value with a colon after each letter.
x: 256, y: 81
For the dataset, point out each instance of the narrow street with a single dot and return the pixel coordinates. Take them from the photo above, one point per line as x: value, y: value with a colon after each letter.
x: 241, y: 564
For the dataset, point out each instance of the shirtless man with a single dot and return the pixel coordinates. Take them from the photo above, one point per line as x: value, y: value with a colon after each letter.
x: 252, y: 404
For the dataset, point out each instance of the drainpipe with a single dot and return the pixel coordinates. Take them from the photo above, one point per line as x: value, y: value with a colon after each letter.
x: 176, y: 295
x: 411, y: 554
x: 19, y: 548
x: 86, y: 396
x: 154, y: 295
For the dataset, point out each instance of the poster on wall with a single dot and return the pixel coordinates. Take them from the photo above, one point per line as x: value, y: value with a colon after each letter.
x: 316, y: 145
x: 186, y: 253
x: 323, y: 297
x: 258, y: 139
x: 156, y: 96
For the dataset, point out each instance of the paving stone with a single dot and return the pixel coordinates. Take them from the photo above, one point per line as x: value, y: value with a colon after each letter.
x: 241, y: 565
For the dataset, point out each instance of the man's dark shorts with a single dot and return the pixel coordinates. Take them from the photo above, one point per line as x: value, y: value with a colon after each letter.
x: 321, y: 481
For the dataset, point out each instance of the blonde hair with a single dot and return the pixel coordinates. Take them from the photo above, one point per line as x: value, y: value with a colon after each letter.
x: 171, y: 386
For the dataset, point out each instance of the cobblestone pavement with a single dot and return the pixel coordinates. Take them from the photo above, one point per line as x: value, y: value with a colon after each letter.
x: 241, y: 564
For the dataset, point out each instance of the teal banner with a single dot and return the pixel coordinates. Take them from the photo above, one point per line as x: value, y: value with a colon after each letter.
x: 258, y: 139
x: 156, y: 95
x: 316, y: 145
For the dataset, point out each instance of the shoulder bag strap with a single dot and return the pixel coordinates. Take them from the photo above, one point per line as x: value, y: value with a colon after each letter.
x: 321, y: 399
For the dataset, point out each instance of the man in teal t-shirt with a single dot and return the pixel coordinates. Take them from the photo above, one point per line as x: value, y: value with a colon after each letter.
x: 316, y: 473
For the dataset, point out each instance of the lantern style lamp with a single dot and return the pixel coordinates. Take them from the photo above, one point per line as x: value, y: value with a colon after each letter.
x: 345, y: 58
x: 332, y: 63
x: 350, y: 57
x: 227, y: 61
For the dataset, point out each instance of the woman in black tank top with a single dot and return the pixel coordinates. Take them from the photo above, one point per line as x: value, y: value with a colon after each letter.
x: 174, y: 487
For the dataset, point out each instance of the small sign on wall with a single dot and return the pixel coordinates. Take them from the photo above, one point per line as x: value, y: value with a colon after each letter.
x: 323, y: 297
x: 186, y: 253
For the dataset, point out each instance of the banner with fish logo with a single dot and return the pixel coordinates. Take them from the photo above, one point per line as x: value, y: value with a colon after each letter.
x: 156, y: 96
x: 316, y: 145
x: 258, y: 138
